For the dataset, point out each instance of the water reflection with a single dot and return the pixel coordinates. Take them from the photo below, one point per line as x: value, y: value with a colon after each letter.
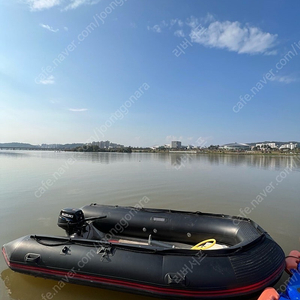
x: 12, y: 154
x: 273, y: 163
x: 184, y: 159
x: 175, y: 160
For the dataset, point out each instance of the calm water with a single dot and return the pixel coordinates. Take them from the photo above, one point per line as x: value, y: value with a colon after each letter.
x: 34, y: 186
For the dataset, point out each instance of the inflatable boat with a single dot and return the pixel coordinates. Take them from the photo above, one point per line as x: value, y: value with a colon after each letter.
x: 155, y: 252
x: 290, y: 290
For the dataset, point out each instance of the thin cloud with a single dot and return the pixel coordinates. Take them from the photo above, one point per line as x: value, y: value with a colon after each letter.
x: 173, y: 22
x: 285, y: 79
x: 209, y: 18
x: 192, y: 22
x: 76, y: 3
x: 78, y: 109
x: 38, y: 5
x: 272, y: 52
x: 48, y: 80
x: 232, y: 36
x: 164, y: 24
x: 180, y: 23
x: 49, y: 28
x: 179, y: 33
x: 155, y: 28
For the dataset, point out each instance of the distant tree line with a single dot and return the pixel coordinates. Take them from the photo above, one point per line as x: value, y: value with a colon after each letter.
x: 96, y: 148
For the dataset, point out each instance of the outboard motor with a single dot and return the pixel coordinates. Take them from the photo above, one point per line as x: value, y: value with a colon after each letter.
x: 71, y: 220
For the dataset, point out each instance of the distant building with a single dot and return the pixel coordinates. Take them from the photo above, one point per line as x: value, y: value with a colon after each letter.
x: 266, y: 145
x: 290, y: 146
x: 108, y: 144
x: 176, y: 144
x: 213, y: 147
x: 236, y: 146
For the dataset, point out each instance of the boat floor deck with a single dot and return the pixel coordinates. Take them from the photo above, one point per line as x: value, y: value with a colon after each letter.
x: 174, y: 245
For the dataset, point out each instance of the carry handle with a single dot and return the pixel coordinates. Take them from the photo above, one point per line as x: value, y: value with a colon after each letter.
x: 32, y: 257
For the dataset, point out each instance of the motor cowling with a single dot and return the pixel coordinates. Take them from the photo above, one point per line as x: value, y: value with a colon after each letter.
x: 71, y: 220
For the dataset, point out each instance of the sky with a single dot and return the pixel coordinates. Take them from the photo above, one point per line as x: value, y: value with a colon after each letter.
x: 146, y: 72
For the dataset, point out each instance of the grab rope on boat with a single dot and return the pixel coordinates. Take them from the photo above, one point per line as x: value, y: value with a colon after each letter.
x: 66, y: 242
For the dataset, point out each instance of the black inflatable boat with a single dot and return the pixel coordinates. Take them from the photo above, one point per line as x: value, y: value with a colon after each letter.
x: 156, y: 252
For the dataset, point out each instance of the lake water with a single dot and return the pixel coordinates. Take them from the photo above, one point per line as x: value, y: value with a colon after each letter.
x: 35, y: 185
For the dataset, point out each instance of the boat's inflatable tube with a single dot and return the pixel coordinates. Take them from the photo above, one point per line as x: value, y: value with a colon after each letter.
x: 148, y: 251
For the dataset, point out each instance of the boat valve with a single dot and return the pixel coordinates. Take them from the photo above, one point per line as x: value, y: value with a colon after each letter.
x: 65, y: 250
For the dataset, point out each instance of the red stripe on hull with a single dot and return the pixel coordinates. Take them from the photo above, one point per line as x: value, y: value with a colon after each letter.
x: 152, y: 289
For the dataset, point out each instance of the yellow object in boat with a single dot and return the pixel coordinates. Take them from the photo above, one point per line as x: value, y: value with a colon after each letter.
x: 200, y: 247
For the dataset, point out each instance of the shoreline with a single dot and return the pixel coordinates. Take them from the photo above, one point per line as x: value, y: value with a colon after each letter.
x: 172, y: 152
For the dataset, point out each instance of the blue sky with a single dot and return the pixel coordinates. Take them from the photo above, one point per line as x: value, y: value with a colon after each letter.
x: 143, y: 73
